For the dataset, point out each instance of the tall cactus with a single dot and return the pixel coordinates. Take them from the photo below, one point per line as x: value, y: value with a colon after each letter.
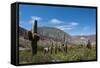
x: 33, y: 37
x: 66, y: 46
x: 65, y: 42
x: 34, y: 27
x: 56, y: 47
x: 89, y: 44
x: 51, y: 47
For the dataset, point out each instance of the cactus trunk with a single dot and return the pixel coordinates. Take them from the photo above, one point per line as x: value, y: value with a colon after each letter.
x: 89, y: 44
x: 33, y: 37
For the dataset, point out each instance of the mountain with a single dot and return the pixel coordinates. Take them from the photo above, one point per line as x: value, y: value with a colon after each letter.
x: 55, y: 34
x: 49, y: 32
x: 84, y: 39
x: 46, y: 34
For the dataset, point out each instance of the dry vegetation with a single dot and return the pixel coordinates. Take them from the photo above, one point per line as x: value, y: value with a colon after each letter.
x: 73, y: 54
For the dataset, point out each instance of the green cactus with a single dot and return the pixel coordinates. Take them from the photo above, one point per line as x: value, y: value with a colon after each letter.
x: 66, y: 46
x: 51, y: 47
x: 89, y: 44
x: 34, y: 27
x: 33, y: 37
x: 56, y: 48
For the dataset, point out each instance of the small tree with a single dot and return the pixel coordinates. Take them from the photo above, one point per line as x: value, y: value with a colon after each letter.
x: 89, y: 44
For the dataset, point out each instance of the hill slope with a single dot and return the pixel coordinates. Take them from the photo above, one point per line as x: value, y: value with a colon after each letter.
x: 48, y: 33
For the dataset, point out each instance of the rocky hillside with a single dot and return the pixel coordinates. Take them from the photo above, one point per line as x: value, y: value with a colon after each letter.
x: 53, y: 33
x: 83, y: 39
x: 47, y: 33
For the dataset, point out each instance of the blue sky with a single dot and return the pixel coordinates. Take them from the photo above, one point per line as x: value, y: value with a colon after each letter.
x: 75, y: 21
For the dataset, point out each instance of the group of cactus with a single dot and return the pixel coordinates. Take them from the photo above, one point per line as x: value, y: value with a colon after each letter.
x: 34, y: 38
x: 55, y: 48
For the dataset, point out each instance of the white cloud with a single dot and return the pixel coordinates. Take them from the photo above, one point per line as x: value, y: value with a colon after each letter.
x: 23, y: 27
x: 36, y: 18
x: 74, y: 23
x: 55, y: 21
x: 82, y: 38
x: 33, y: 18
x: 64, y: 27
x: 68, y: 26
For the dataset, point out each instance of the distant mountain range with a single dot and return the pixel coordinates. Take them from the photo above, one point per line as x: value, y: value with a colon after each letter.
x: 59, y: 35
x: 83, y: 39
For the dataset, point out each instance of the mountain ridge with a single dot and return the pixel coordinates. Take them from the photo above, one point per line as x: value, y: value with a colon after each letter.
x: 58, y: 35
